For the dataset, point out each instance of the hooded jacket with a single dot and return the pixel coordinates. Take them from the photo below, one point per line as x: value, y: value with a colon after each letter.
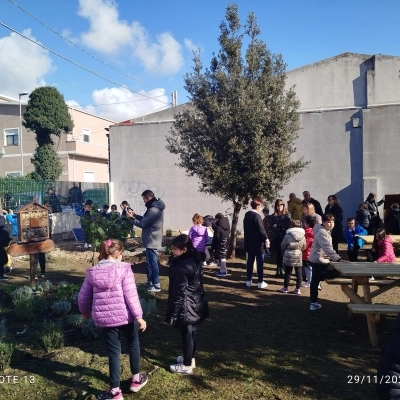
x: 254, y: 233
x: 151, y: 223
x: 295, y: 208
x: 293, y: 245
x: 220, y: 239
x: 109, y: 293
x: 351, y: 239
x: 309, y: 236
x: 385, y: 251
x: 388, y: 382
x: 363, y: 217
x: 322, y: 251
x: 199, y: 236
x: 392, y: 221
x: 187, y: 304
x: 4, y: 240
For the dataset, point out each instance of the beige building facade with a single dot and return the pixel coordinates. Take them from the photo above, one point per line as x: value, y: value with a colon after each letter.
x: 83, y: 153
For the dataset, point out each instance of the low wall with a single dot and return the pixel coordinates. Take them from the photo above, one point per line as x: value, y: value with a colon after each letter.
x: 64, y: 222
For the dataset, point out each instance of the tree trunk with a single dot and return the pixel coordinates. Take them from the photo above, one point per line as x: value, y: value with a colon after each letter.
x: 232, y: 239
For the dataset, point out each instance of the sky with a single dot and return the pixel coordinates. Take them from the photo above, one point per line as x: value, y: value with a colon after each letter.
x: 138, y: 52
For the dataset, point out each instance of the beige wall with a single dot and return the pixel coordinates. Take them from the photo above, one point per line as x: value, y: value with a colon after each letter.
x: 78, y: 165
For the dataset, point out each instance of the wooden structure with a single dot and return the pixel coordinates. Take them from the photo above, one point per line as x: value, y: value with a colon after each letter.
x: 33, y: 223
x: 370, y: 238
x: 359, y: 272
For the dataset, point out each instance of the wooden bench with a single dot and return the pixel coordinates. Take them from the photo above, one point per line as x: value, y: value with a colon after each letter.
x: 345, y: 281
x: 373, y: 313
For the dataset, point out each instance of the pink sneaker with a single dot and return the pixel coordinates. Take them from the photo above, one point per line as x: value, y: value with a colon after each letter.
x: 283, y: 290
x: 136, y: 386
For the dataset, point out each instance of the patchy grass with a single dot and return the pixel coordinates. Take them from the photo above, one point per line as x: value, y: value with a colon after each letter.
x: 257, y: 344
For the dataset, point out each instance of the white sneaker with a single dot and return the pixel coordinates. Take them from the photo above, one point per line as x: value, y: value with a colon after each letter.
x: 181, y: 369
x: 89, y: 245
x: 85, y: 246
x: 248, y: 283
x: 320, y: 286
x: 179, y: 360
x: 305, y: 285
x: 371, y: 278
x: 262, y: 285
x: 315, y: 306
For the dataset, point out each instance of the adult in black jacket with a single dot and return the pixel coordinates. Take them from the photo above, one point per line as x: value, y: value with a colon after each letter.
x: 187, y: 305
x: 372, y: 207
x: 392, y: 220
x: 219, y: 243
x: 255, y: 240
x: 388, y: 374
x: 333, y: 207
x: 315, y: 203
x: 5, y: 240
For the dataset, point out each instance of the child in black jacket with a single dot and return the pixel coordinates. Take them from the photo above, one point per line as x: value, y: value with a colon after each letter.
x: 5, y: 240
x: 219, y: 243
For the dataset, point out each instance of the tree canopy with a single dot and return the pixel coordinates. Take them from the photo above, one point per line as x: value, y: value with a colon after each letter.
x: 47, y: 114
x: 237, y: 134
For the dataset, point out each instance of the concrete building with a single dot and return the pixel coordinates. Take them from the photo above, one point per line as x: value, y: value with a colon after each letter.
x: 83, y: 153
x: 350, y: 125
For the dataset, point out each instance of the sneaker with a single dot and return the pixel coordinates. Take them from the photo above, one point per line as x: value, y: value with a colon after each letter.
x: 4, y: 278
x: 212, y: 264
x: 89, y: 245
x: 108, y: 394
x: 154, y: 289
x: 296, y: 291
x: 371, y: 278
x: 320, y: 286
x: 262, y: 285
x: 42, y: 275
x: 282, y: 290
x: 85, y: 246
x: 136, y: 386
x: 8, y: 270
x: 315, y: 306
x: 248, y: 283
x: 204, y: 264
x: 179, y: 360
x: 221, y: 274
x: 305, y: 285
x: 181, y: 369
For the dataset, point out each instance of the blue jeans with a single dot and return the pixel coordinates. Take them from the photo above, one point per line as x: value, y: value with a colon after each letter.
x: 308, y: 273
x: 260, y: 266
x: 153, y: 273
x: 113, y: 342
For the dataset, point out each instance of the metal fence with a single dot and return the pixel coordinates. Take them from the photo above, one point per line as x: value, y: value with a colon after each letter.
x: 16, y: 192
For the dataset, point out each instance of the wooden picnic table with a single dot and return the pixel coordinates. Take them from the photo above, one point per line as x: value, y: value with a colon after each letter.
x: 370, y: 238
x: 359, y: 272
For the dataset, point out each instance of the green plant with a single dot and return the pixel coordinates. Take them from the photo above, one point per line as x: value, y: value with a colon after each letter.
x: 3, y: 329
x: 61, y: 307
x: 6, y: 351
x: 168, y: 233
x: 90, y: 329
x: 26, y: 308
x: 8, y: 289
x: 23, y: 292
x: 44, y: 286
x: 168, y: 250
x: 75, y: 320
x: 51, y: 336
x: 74, y: 298
x: 65, y: 290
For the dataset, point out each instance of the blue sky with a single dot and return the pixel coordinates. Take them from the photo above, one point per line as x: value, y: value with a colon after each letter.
x: 152, y: 42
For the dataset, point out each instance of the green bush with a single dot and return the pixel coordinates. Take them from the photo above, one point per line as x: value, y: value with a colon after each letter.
x: 61, y: 307
x: 6, y: 351
x: 65, y: 290
x: 3, y: 329
x: 21, y: 293
x: 168, y: 233
x: 51, y: 336
x: 75, y: 320
x: 8, y: 289
x: 44, y: 286
x: 27, y: 308
x: 90, y: 329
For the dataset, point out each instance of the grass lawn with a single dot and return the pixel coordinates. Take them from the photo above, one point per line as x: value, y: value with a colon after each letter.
x: 257, y: 344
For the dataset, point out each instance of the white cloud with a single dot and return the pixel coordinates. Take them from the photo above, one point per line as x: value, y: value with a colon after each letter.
x: 108, y: 34
x: 192, y: 47
x: 23, y: 64
x: 119, y: 104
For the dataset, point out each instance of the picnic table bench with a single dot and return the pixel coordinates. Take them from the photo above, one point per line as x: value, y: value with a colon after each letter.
x: 359, y: 273
x: 370, y: 238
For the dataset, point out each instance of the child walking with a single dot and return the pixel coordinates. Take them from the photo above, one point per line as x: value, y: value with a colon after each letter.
x: 187, y: 305
x: 293, y: 245
x: 110, y: 296
x: 309, y: 222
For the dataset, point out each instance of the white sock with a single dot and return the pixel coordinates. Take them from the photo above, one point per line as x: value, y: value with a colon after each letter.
x: 136, y: 377
x: 115, y: 390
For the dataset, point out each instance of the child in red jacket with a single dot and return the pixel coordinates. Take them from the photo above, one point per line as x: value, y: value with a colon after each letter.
x: 309, y: 223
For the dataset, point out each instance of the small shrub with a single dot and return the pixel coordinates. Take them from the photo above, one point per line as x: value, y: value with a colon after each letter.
x: 75, y: 320
x: 90, y: 329
x: 3, y: 329
x: 61, y: 307
x: 74, y: 298
x: 52, y: 336
x: 168, y: 233
x: 64, y: 290
x: 148, y: 305
x: 26, y: 308
x: 6, y: 351
x: 44, y: 286
x: 9, y: 288
x: 168, y: 250
x: 23, y: 292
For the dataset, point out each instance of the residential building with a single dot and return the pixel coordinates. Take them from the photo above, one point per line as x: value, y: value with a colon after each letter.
x: 83, y: 153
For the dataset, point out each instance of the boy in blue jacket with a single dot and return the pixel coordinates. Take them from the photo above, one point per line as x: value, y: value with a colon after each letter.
x: 352, y: 235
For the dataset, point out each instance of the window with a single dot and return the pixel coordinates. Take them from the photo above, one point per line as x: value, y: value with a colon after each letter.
x: 86, y: 135
x: 13, y: 174
x: 11, y: 137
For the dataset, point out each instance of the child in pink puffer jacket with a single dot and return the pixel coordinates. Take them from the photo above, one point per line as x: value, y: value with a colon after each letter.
x: 109, y: 295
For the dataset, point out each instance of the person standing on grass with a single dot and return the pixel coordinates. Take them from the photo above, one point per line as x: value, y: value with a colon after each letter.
x: 151, y: 224
x: 187, y: 306
x: 255, y: 242
x: 321, y: 254
x: 219, y: 244
x: 75, y: 196
x: 199, y: 236
x: 293, y: 245
x: 5, y: 240
x: 352, y: 236
x: 309, y: 222
x: 109, y: 295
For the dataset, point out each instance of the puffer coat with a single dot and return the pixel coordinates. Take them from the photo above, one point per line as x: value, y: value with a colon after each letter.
x: 187, y: 304
x: 386, y: 251
x: 109, y: 293
x: 363, y: 217
x: 219, y: 243
x: 293, y: 245
x: 309, y: 236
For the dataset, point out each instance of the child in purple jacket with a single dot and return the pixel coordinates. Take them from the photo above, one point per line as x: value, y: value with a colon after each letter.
x: 109, y: 295
x: 199, y: 235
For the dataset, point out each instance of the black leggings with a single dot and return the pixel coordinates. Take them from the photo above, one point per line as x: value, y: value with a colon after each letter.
x: 278, y: 253
x: 189, y: 339
x: 320, y: 272
x: 288, y: 272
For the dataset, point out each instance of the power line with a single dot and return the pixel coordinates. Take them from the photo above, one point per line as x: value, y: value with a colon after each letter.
x: 78, y: 47
x: 81, y: 66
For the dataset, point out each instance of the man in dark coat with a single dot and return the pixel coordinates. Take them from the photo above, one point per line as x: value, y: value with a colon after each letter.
x: 315, y: 203
x: 388, y: 374
x: 75, y: 196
